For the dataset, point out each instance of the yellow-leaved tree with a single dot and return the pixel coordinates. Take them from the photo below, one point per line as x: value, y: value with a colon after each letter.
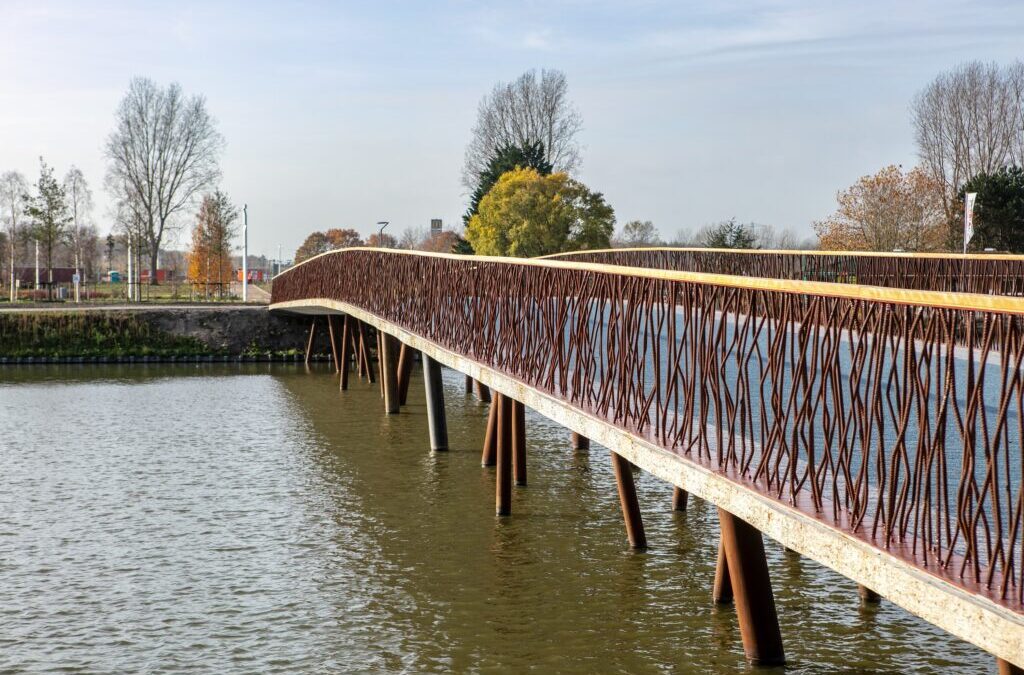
x: 890, y: 210
x: 209, y: 257
x: 527, y: 214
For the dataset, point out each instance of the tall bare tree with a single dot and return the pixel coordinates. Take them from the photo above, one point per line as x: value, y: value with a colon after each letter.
x: 13, y: 200
x: 522, y: 113
x: 970, y: 120
x: 79, y: 199
x: 163, y: 153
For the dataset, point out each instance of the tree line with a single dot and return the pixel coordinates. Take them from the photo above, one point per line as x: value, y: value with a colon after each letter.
x: 969, y: 130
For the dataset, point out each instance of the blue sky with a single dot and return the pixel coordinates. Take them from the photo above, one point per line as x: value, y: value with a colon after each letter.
x: 343, y: 114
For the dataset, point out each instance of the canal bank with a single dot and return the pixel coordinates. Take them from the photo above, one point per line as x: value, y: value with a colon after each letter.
x: 153, y: 333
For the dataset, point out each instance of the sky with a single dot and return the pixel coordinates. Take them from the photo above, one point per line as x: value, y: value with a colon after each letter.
x: 342, y: 114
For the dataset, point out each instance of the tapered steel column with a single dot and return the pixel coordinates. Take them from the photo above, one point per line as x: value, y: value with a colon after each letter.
x: 490, y: 453
x: 628, y: 501
x: 469, y: 384
x: 868, y: 595
x: 405, y: 360
x: 580, y: 442
x: 679, y: 499
x: 346, y: 351
x: 503, y: 482
x: 334, y: 343
x: 752, y: 590
x: 309, y: 344
x: 380, y: 362
x: 483, y: 392
x: 434, y: 389
x: 389, y: 372
x: 364, y: 347
x: 519, y: 442
x: 721, y: 594
x: 1007, y: 668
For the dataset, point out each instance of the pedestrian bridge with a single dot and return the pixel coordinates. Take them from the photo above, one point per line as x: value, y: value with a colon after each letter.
x: 876, y: 430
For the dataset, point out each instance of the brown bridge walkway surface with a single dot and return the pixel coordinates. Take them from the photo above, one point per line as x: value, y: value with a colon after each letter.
x: 875, y: 430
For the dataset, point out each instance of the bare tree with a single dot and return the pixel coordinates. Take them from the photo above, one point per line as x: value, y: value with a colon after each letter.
x: 79, y: 199
x: 637, y: 233
x: 163, y: 153
x: 13, y: 201
x: 520, y: 113
x: 970, y: 120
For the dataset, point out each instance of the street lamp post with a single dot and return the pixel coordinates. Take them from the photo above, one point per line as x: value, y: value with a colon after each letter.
x: 245, y: 252
x: 380, y: 233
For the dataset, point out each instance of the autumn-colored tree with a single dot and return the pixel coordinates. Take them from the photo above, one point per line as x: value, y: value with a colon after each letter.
x: 440, y: 242
x: 209, y: 258
x: 330, y: 240
x: 381, y: 241
x: 888, y: 211
x: 528, y: 214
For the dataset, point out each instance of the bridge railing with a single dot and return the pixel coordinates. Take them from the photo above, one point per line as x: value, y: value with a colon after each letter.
x: 991, y: 274
x: 857, y: 405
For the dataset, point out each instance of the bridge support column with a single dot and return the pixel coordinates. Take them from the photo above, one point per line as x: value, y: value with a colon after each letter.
x: 721, y: 594
x: 381, y: 362
x: 867, y: 595
x: 679, y: 499
x: 490, y: 453
x: 389, y: 372
x: 436, y: 420
x: 364, y: 352
x: 405, y: 360
x: 519, y: 442
x: 752, y: 590
x: 503, y: 482
x: 346, y: 351
x: 334, y: 344
x: 309, y: 343
x: 628, y: 501
x: 1007, y: 668
x: 580, y: 442
x: 483, y: 392
x: 469, y: 384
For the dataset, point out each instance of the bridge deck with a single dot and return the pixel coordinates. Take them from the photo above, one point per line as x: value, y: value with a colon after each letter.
x: 932, y: 522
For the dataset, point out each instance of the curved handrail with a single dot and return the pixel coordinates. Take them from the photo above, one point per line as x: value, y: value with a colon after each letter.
x: 991, y: 274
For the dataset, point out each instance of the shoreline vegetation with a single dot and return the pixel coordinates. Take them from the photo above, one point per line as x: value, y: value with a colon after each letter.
x: 167, y: 335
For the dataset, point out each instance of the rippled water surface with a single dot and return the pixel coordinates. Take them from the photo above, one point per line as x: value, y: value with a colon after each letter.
x: 256, y: 519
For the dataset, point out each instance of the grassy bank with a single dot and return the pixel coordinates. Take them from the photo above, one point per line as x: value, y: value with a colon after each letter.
x: 90, y: 334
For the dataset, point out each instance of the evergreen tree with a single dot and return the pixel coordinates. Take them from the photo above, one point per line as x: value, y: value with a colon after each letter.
x: 505, y: 159
x: 998, y: 210
x: 48, y: 210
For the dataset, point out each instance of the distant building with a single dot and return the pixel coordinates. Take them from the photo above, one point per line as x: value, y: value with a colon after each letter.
x: 436, y: 225
x: 27, y: 275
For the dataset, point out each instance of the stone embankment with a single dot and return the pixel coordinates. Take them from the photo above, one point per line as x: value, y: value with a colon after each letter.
x: 153, y: 333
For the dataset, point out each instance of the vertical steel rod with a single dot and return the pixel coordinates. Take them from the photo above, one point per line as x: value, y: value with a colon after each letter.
x: 503, y: 482
x: 334, y: 343
x: 490, y: 453
x: 868, y: 595
x: 752, y: 590
x: 519, y: 442
x: 628, y: 501
x: 469, y: 384
x: 483, y: 392
x: 580, y: 442
x: 346, y: 351
x: 309, y: 344
x: 1007, y: 668
x: 405, y: 360
x: 434, y: 388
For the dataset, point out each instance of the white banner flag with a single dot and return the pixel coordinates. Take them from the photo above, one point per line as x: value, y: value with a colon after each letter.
x: 969, y: 217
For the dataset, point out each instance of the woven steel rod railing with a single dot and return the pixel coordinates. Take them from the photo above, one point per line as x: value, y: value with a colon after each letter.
x: 994, y: 274
x: 855, y: 404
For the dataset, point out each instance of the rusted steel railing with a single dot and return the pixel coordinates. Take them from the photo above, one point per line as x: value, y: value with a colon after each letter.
x: 857, y: 405
x: 993, y: 274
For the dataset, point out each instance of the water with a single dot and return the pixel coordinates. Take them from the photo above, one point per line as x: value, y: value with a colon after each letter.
x: 256, y: 519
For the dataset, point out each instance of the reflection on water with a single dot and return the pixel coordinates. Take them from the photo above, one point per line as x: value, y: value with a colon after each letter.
x: 255, y: 519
